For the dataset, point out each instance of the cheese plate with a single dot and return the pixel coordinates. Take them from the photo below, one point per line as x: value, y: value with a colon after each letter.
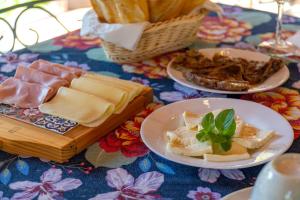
x: 155, y: 126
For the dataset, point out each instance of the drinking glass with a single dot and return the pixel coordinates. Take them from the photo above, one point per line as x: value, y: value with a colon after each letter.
x: 278, y: 45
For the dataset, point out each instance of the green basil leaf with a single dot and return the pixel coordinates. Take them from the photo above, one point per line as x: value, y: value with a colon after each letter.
x: 226, y: 146
x: 218, y: 138
x: 229, y: 131
x: 202, y: 136
x: 208, y: 122
x: 224, y: 119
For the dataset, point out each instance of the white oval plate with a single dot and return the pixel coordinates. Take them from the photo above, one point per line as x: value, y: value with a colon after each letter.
x: 154, y: 127
x: 274, y: 81
x: 243, y: 194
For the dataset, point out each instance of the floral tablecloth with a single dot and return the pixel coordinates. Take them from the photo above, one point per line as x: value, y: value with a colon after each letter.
x: 119, y: 166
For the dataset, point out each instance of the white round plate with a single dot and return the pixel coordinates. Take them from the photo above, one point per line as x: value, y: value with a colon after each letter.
x: 274, y: 81
x: 243, y: 194
x: 154, y: 127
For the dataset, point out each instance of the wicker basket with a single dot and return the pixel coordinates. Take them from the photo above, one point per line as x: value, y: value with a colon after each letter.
x: 158, y: 38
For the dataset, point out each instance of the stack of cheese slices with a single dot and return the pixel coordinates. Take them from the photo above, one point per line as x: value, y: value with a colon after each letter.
x: 92, y: 98
x: 68, y: 92
x: 183, y: 140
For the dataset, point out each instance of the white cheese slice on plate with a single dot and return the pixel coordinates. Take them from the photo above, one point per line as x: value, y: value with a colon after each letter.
x: 193, y: 120
x: 183, y: 141
x: 261, y: 138
x: 237, y: 152
x: 247, y: 131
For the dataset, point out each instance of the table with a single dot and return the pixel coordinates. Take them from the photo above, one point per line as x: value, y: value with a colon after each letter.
x: 120, y: 166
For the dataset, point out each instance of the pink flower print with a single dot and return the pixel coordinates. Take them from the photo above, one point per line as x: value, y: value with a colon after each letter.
x: 183, y: 92
x: 203, y: 194
x: 77, y: 65
x: 51, y: 186
x: 127, y: 187
x: 212, y: 175
x: 12, y: 61
x: 172, y: 96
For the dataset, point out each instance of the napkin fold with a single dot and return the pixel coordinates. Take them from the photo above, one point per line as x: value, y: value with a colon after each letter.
x: 123, y: 35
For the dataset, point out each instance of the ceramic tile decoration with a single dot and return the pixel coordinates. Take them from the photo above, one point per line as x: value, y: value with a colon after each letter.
x: 36, y: 118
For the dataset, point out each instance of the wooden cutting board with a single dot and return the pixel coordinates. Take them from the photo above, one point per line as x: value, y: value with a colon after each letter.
x: 17, y: 137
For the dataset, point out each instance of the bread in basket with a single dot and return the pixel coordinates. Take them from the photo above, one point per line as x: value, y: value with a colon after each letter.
x: 157, y: 38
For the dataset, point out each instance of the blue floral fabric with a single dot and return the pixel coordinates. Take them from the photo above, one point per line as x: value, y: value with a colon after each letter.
x: 119, y: 166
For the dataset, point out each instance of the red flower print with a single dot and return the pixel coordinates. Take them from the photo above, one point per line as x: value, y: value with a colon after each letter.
x: 125, y: 141
x: 74, y: 40
x: 127, y: 138
x: 148, y: 110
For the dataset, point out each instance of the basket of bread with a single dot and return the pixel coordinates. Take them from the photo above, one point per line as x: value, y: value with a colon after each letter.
x: 135, y: 30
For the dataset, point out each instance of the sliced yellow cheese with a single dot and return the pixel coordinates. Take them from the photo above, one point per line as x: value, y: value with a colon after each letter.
x: 237, y: 152
x: 96, y: 123
x: 183, y: 141
x: 118, y: 97
x: 78, y: 106
x: 134, y: 89
x: 261, y: 138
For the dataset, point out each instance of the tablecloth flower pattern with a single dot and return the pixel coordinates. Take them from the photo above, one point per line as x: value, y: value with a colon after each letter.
x: 283, y: 100
x: 143, y: 187
x: 215, y: 29
x: 10, y: 61
x: 127, y: 138
x: 153, y: 68
x: 74, y: 40
x: 212, y: 175
x: 203, y: 193
x: 119, y: 166
x: 51, y: 186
